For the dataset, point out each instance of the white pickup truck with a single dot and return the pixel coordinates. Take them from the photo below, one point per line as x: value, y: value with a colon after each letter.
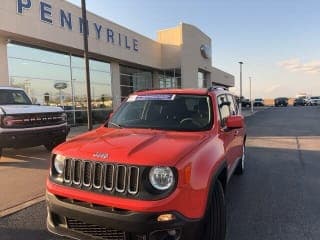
x: 23, y: 124
x: 313, y: 101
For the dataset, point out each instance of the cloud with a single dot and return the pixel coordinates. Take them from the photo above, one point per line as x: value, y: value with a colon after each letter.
x: 272, y: 88
x: 295, y: 65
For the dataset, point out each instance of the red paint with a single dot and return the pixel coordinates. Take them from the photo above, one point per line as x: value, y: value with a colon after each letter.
x: 197, y: 156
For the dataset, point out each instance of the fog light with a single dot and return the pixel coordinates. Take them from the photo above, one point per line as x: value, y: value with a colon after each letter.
x: 166, y: 217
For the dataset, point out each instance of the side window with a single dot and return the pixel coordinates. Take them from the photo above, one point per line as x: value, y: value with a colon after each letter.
x: 236, y: 104
x: 233, y: 106
x: 223, y: 105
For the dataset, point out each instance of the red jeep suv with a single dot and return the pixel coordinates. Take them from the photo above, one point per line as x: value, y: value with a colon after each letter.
x: 157, y: 170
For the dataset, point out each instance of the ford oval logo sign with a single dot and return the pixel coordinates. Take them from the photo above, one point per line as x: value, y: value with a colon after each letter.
x: 60, y: 85
x: 101, y: 155
x: 205, y: 51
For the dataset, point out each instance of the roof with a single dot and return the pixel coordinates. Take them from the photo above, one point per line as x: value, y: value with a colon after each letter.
x: 194, y: 91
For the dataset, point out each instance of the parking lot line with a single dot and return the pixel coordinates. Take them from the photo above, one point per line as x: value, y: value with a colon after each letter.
x: 19, y: 207
x: 36, y: 158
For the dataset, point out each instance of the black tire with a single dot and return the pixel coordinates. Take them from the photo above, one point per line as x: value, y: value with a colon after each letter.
x: 0, y: 152
x: 241, y: 164
x: 51, y: 145
x: 214, y: 221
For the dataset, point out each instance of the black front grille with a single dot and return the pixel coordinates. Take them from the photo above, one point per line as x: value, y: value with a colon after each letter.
x: 121, y: 178
x: 87, y: 172
x: 95, y: 230
x: 77, y: 172
x: 67, y: 171
x: 109, y: 173
x: 33, y: 120
x: 97, y: 178
x: 102, y: 177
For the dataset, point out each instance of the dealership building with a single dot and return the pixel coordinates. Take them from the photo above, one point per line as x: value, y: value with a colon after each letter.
x: 41, y: 49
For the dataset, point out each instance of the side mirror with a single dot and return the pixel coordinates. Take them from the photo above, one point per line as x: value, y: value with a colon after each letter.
x: 235, y: 121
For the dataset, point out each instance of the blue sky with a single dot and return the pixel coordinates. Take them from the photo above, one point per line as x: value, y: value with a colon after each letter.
x: 278, y: 40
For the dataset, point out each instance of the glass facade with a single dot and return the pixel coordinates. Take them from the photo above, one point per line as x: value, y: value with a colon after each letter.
x: 133, y: 79
x: 58, y: 79
x: 202, y: 79
x: 170, y: 79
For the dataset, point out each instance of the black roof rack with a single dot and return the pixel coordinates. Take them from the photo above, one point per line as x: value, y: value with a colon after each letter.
x: 217, y: 87
x: 147, y: 89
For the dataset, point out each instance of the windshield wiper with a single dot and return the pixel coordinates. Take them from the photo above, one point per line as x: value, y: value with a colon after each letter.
x: 114, y: 124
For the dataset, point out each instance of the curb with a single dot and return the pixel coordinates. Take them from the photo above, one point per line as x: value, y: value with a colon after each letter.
x: 254, y: 112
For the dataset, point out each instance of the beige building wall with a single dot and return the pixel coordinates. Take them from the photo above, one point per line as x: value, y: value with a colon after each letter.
x: 177, y: 47
x: 181, y: 49
x: 191, y: 58
x: 28, y: 28
x: 4, y: 75
x: 171, y: 44
x: 220, y: 77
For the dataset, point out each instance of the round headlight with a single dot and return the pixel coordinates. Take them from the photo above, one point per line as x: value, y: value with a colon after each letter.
x: 59, y: 163
x: 161, y: 178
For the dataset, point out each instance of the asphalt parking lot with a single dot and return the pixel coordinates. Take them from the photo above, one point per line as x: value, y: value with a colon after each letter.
x: 277, y: 198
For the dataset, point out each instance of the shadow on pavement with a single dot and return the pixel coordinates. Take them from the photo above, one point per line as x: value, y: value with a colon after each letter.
x: 31, y: 158
x: 15, y: 227
x: 277, y: 197
x: 23, y: 234
x: 285, y: 121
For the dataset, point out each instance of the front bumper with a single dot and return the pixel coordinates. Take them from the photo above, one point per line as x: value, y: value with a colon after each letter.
x: 32, y: 137
x: 82, y: 220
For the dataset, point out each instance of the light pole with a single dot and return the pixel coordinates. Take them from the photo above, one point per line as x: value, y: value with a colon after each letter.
x: 251, y: 102
x: 240, y: 105
x: 86, y: 58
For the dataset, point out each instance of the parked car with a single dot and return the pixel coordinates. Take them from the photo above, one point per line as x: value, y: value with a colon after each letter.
x: 313, y: 101
x: 258, y: 102
x: 299, y: 102
x: 281, y: 102
x: 245, y: 102
x: 158, y: 169
x: 23, y: 124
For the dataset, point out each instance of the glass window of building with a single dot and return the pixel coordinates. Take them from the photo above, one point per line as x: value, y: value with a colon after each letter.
x: 170, y: 79
x: 39, y: 72
x: 202, y: 80
x: 133, y: 79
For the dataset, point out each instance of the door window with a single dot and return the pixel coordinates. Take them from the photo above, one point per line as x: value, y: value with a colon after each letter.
x: 223, y: 105
x: 233, y: 105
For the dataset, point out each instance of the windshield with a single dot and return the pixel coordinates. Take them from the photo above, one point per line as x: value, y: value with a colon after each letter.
x: 164, y: 112
x: 13, y: 97
x: 281, y: 99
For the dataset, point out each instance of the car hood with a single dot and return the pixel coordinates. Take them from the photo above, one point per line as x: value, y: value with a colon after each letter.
x: 133, y: 146
x: 21, y: 109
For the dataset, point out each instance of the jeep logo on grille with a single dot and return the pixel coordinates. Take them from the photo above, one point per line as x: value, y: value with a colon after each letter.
x: 101, y: 155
